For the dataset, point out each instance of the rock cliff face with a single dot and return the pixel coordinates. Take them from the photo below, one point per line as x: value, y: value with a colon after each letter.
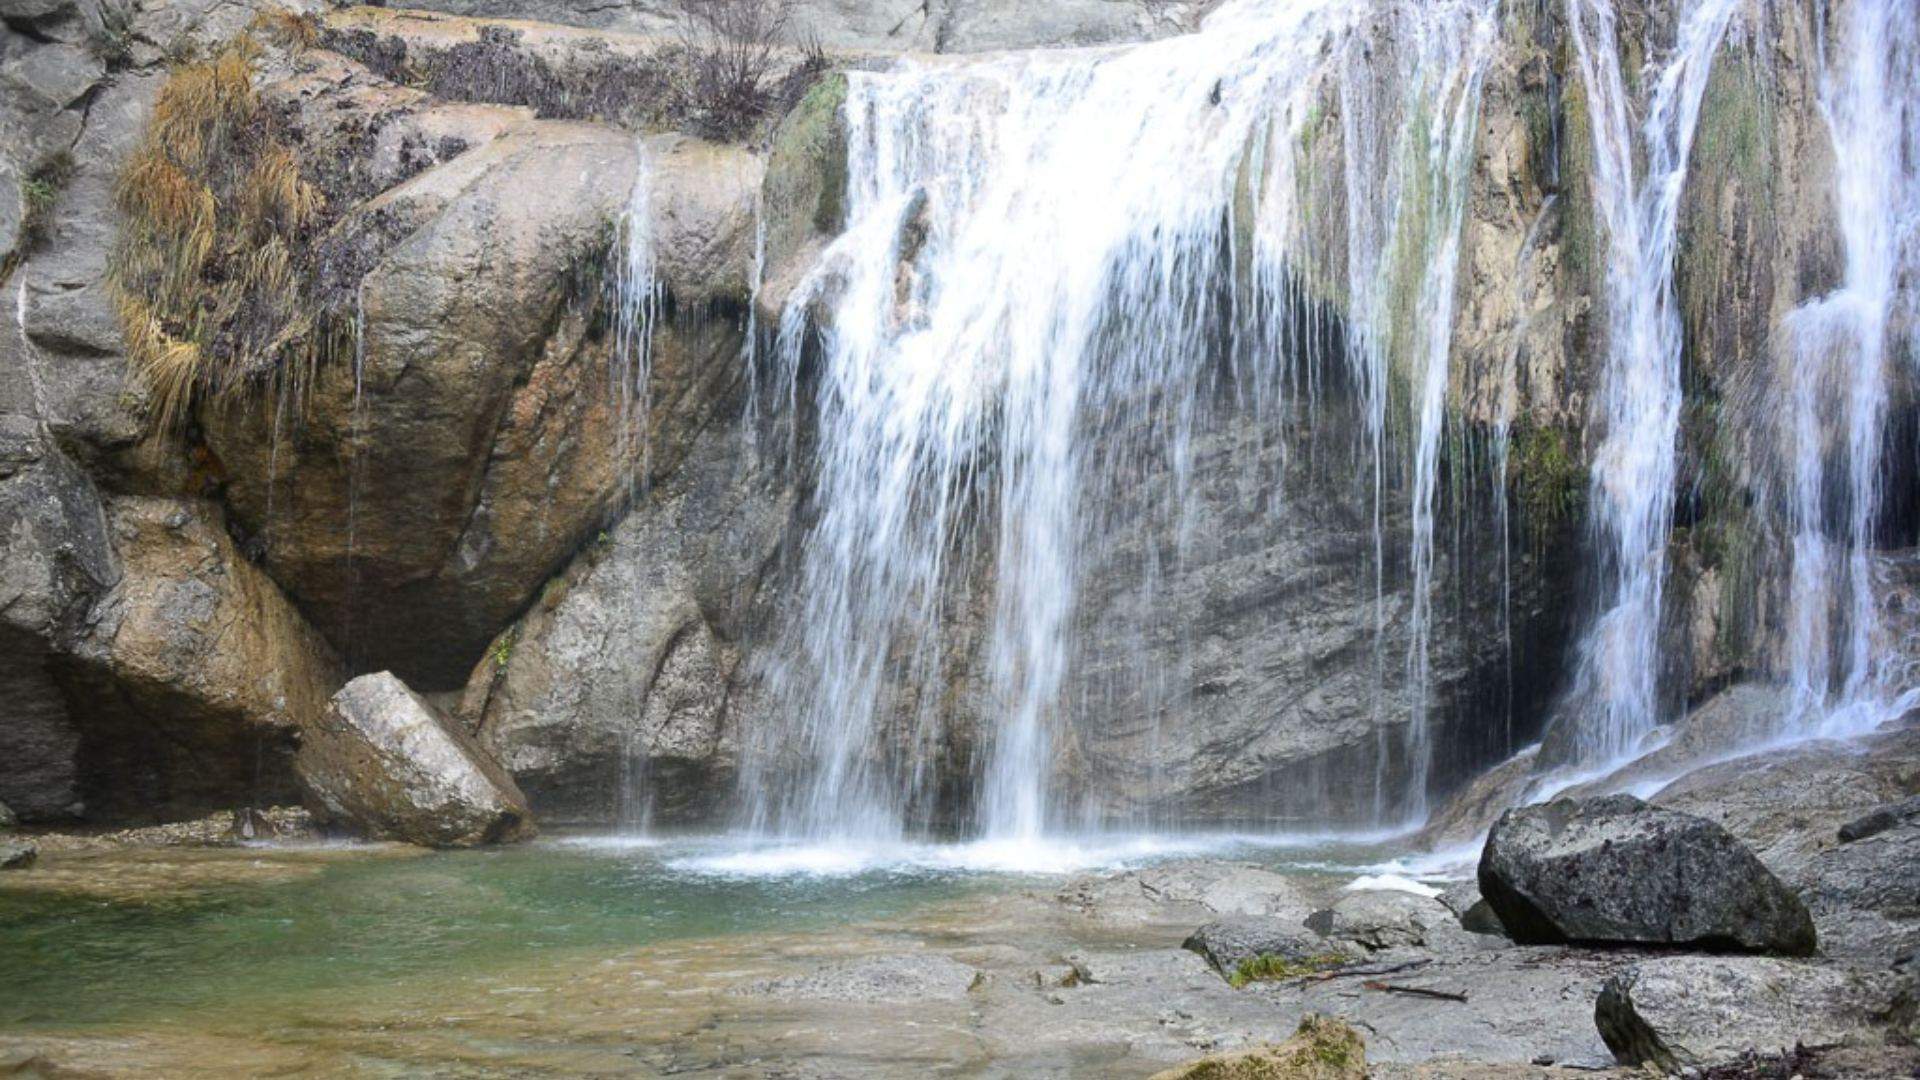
x: 457, y: 489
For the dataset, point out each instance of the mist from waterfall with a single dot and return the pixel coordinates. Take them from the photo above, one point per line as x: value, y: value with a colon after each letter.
x: 1843, y: 346
x: 1052, y: 262
x: 1632, y: 487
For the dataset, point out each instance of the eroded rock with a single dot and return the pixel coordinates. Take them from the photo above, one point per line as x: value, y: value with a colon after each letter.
x: 1615, y: 870
x: 391, y: 765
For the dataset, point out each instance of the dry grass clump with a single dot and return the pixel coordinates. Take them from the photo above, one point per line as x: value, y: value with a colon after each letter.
x: 215, y: 209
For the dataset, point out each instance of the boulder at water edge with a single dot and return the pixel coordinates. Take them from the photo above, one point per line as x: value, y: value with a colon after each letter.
x: 393, y: 767
x: 1614, y: 870
x: 1681, y: 1012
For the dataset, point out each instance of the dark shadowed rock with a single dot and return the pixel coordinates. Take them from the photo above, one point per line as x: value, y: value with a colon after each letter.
x: 1880, y: 820
x: 393, y: 766
x: 1699, y: 1011
x: 1617, y: 871
x: 1228, y: 943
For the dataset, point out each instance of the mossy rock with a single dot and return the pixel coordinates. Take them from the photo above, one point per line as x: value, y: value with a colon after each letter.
x: 805, y: 190
x: 1268, y: 967
x: 1322, y: 1049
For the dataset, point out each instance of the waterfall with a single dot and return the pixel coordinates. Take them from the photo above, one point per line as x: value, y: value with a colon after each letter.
x: 1870, y: 100
x: 1052, y: 263
x: 1632, y: 486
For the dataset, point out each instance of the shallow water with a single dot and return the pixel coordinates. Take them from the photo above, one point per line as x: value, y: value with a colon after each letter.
x: 383, y: 960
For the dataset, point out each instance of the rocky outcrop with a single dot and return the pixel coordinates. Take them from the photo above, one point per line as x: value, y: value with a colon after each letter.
x: 441, y: 468
x: 388, y: 764
x: 195, y: 677
x: 882, y: 26
x: 1614, y: 870
x: 1698, y: 1011
x: 615, y: 695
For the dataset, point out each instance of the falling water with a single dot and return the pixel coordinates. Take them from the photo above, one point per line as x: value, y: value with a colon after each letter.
x: 1633, y: 471
x: 1840, y: 379
x: 1038, y: 267
x: 636, y: 295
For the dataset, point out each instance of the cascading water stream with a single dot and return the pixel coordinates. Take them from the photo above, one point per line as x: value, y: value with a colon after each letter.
x: 1841, y: 377
x: 1632, y: 488
x: 1041, y: 262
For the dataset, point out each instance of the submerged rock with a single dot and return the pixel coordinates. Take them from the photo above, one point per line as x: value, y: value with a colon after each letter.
x: 18, y: 854
x: 1699, y: 1011
x: 1617, y: 871
x: 393, y: 766
x: 1322, y: 1049
x: 882, y: 979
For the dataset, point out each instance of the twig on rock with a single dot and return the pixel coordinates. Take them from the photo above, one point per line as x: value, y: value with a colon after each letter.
x: 1414, y: 991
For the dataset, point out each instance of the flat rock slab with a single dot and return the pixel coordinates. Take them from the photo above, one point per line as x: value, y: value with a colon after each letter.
x: 889, y: 980
x: 1177, y: 890
x: 1698, y: 1011
x: 1614, y: 870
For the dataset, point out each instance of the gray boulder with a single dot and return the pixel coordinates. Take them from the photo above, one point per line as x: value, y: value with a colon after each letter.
x: 1699, y: 1011
x: 1617, y: 871
x: 1376, y: 919
x: 391, y: 765
x: 18, y: 854
x: 1228, y: 943
x: 7, y: 820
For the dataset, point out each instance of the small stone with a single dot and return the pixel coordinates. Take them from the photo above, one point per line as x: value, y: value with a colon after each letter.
x: 18, y: 854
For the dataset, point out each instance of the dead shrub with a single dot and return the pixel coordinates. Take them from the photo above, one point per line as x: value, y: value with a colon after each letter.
x: 214, y: 208
x: 732, y: 52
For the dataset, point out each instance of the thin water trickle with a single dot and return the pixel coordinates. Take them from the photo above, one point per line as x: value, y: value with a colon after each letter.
x: 1023, y: 308
x: 636, y: 296
x: 1632, y: 488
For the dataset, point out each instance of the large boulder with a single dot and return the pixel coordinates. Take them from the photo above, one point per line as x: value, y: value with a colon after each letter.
x: 391, y: 765
x: 194, y: 677
x: 1699, y: 1011
x: 1614, y: 870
